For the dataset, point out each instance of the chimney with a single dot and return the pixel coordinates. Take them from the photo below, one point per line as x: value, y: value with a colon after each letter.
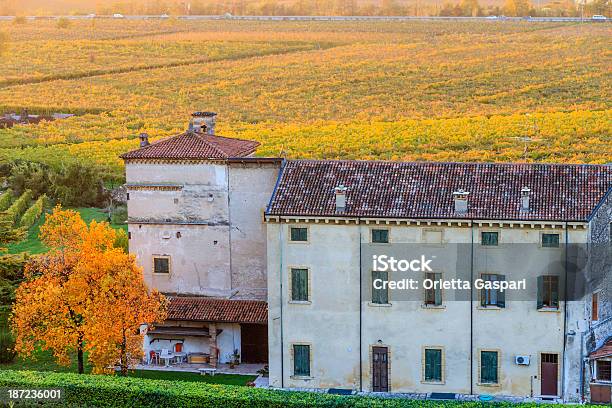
x: 144, y: 139
x: 461, y: 201
x: 203, y: 122
x: 340, y: 198
x: 525, y: 193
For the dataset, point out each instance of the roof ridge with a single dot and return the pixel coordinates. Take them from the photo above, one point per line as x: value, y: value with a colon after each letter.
x: 450, y: 162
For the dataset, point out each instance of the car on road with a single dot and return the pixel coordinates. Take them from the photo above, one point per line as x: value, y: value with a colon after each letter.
x: 599, y: 17
x: 117, y: 15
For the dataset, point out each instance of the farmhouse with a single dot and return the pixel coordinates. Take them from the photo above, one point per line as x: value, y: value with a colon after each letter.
x: 271, y: 260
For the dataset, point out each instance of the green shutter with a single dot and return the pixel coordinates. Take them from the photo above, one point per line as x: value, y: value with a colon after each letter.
x: 501, y: 296
x: 299, y: 284
x: 380, y: 296
x: 554, y: 291
x: 488, y: 367
x: 550, y: 240
x: 540, y: 292
x: 299, y: 234
x: 380, y: 236
x: 433, y: 365
x: 490, y: 238
x: 301, y: 360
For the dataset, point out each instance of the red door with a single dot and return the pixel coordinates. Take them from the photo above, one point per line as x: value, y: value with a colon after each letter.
x: 380, y: 380
x: 550, y: 372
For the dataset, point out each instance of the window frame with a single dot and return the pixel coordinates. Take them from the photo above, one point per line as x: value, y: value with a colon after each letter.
x: 168, y: 258
x: 496, y: 232
x: 388, y: 297
x: 308, y: 284
x: 544, y: 233
x: 293, y: 360
x: 380, y: 229
x: 597, y: 374
x: 424, y: 379
x: 290, y: 235
x: 543, y: 290
x: 498, y: 371
x: 500, y: 296
x: 437, y: 275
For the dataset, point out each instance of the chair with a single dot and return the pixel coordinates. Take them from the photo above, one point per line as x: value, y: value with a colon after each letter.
x: 153, y: 357
x: 179, y: 355
x: 166, y: 355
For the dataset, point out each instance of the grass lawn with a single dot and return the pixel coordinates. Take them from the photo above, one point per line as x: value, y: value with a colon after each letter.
x: 33, y: 245
x: 43, y: 361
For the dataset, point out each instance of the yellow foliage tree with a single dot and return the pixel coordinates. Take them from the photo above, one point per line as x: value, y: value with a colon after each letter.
x: 84, y: 295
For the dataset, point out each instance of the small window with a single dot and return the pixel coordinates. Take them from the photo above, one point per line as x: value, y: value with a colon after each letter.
x: 604, y: 370
x: 129, y: 235
x: 178, y: 234
x: 299, y: 285
x: 380, y: 236
x: 492, y: 297
x: 299, y: 234
x: 595, y: 307
x: 488, y: 367
x: 127, y: 197
x: 548, y: 292
x: 301, y: 360
x: 433, y: 365
x: 550, y: 240
x: 489, y: 238
x: 176, y: 201
x: 161, y: 264
x: 380, y: 290
x: 433, y: 296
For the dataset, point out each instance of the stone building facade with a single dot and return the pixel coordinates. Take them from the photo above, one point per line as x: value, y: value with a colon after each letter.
x: 263, y: 252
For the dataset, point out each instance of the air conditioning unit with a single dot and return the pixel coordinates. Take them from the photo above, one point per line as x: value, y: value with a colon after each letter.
x: 521, y: 360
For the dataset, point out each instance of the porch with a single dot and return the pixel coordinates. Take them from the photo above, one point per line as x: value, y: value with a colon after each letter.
x: 240, y: 369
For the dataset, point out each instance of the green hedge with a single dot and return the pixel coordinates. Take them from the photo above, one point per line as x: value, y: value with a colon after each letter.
x: 31, y: 215
x: 6, y: 199
x: 110, y: 391
x: 19, y: 206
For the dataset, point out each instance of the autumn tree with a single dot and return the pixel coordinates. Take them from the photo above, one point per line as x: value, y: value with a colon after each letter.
x: 84, y: 295
x: 517, y: 8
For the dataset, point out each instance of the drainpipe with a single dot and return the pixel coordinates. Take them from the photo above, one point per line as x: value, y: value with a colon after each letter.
x: 360, y: 310
x: 565, y: 316
x: 471, y: 307
x: 282, y: 355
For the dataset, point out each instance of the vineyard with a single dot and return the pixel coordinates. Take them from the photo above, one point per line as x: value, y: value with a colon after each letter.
x: 366, y: 90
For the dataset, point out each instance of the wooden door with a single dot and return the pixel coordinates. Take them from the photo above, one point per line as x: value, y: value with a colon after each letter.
x: 601, y: 394
x: 550, y: 371
x: 254, y: 343
x: 380, y: 365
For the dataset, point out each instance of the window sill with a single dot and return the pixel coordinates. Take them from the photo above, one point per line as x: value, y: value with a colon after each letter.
x: 297, y: 242
x: 433, y: 382
x: 380, y: 304
x: 300, y: 302
x: 490, y: 308
x: 433, y: 307
x: 302, y: 377
x: 549, y: 310
x: 492, y: 385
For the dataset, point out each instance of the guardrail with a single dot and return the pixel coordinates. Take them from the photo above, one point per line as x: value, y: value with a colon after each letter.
x: 316, y: 18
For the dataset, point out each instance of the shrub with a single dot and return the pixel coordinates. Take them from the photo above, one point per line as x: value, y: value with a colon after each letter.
x: 29, y: 176
x: 6, y: 199
x: 33, y: 213
x: 7, y: 347
x: 121, y: 240
x: 77, y: 185
x: 119, y: 215
x: 11, y: 266
x: 108, y: 391
x: 19, y: 206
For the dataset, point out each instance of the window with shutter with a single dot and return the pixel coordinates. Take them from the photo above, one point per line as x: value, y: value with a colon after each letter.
x: 548, y: 292
x: 161, y: 264
x: 380, y: 236
x: 604, y: 370
x: 433, y: 365
x: 488, y: 367
x: 489, y: 238
x: 550, y: 240
x: 492, y: 297
x: 380, y: 296
x: 299, y: 234
x: 433, y: 296
x: 301, y: 360
x: 299, y: 285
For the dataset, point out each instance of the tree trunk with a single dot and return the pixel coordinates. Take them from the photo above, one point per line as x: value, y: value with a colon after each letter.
x: 80, y: 356
x: 124, y: 360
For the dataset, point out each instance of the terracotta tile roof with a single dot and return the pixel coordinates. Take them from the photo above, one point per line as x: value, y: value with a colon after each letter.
x: 191, y: 145
x: 208, y: 309
x: 425, y: 190
x: 603, y: 351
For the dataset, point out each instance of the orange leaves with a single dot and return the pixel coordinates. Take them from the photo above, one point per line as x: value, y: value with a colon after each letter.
x: 84, y: 294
